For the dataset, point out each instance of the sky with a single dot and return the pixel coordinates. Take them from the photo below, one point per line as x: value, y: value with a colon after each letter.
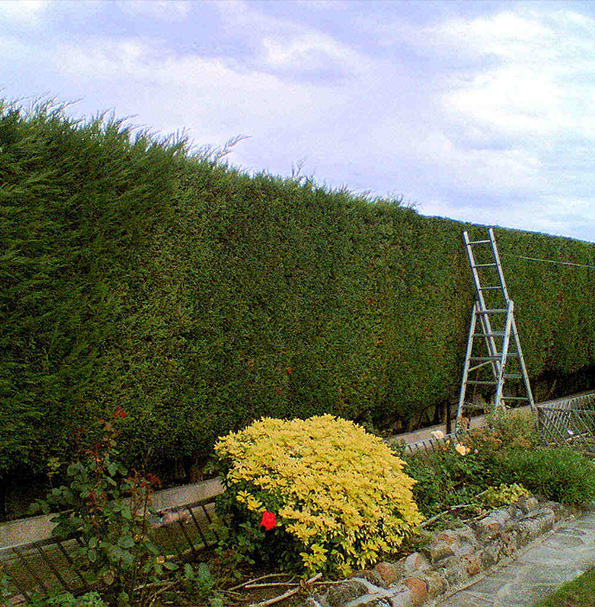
x: 474, y: 110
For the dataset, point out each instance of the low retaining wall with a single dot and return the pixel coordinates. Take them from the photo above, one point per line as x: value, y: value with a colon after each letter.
x: 447, y: 559
x: 39, y: 528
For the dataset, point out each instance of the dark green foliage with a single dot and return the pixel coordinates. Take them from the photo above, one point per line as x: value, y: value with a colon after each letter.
x: 560, y: 474
x: 199, y: 298
x: 90, y: 599
x: 446, y: 479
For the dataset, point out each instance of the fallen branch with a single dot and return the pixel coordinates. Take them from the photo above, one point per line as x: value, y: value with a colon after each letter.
x: 451, y: 509
x: 286, y: 595
x: 271, y: 585
x: 258, y: 579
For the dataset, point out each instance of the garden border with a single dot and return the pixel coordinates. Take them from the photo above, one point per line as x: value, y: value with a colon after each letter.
x: 187, y: 504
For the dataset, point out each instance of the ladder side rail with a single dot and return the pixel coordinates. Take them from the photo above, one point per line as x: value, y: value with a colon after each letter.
x: 474, y: 272
x: 504, y: 355
x: 517, y: 340
x: 469, y: 350
x: 498, y: 264
x: 484, y: 319
x: 486, y: 327
x: 524, y: 372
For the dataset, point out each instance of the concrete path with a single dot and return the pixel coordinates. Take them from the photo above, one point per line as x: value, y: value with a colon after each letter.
x: 559, y: 556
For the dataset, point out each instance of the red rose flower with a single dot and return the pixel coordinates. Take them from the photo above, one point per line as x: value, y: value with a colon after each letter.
x: 268, y: 520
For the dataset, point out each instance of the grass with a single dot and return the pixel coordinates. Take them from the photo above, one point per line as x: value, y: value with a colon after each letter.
x: 578, y: 593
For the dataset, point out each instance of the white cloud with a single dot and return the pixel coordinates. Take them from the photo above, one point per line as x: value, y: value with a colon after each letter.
x: 312, y: 51
x: 517, y: 100
x: 323, y: 5
x: 550, y: 214
x: 12, y: 49
x: 503, y: 35
x: 289, y: 46
x: 544, y: 72
x: 160, y: 10
x: 215, y: 96
x: 23, y: 12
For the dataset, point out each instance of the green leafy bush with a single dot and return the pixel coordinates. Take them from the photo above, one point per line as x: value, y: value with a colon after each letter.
x: 515, y: 429
x: 557, y: 474
x: 320, y: 493
x: 199, y: 584
x: 505, y: 453
x: 509, y: 448
x: 107, y: 506
x: 447, y: 478
x: 503, y: 495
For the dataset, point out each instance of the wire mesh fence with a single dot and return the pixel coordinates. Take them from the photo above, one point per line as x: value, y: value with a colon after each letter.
x: 54, y: 566
x: 569, y: 422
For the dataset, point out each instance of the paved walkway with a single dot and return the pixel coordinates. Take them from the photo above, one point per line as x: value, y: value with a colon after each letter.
x: 557, y: 557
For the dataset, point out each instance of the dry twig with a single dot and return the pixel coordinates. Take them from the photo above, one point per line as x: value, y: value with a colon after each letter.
x: 451, y: 509
x: 271, y: 585
x: 286, y: 595
x: 163, y: 589
x: 258, y: 579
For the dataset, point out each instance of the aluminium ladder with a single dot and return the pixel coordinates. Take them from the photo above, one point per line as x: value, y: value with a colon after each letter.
x: 494, y: 357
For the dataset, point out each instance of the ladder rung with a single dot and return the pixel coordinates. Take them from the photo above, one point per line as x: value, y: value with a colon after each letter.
x: 475, y: 367
x: 493, y: 311
x: 512, y: 376
x: 480, y: 241
x: 482, y: 383
x: 493, y: 334
x: 515, y: 397
x: 490, y: 288
x: 484, y: 265
x: 495, y: 357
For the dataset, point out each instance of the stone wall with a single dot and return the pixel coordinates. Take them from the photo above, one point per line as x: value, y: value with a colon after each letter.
x: 446, y: 559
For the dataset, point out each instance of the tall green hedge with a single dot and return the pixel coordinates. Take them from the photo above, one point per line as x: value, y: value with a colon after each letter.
x: 198, y: 298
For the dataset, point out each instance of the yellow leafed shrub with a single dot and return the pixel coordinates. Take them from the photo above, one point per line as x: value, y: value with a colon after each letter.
x: 339, y: 496
x: 504, y: 495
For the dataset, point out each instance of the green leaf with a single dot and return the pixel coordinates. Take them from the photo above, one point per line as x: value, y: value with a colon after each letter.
x: 126, y: 542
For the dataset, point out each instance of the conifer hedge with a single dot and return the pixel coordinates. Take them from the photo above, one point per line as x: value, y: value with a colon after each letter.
x: 199, y: 298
